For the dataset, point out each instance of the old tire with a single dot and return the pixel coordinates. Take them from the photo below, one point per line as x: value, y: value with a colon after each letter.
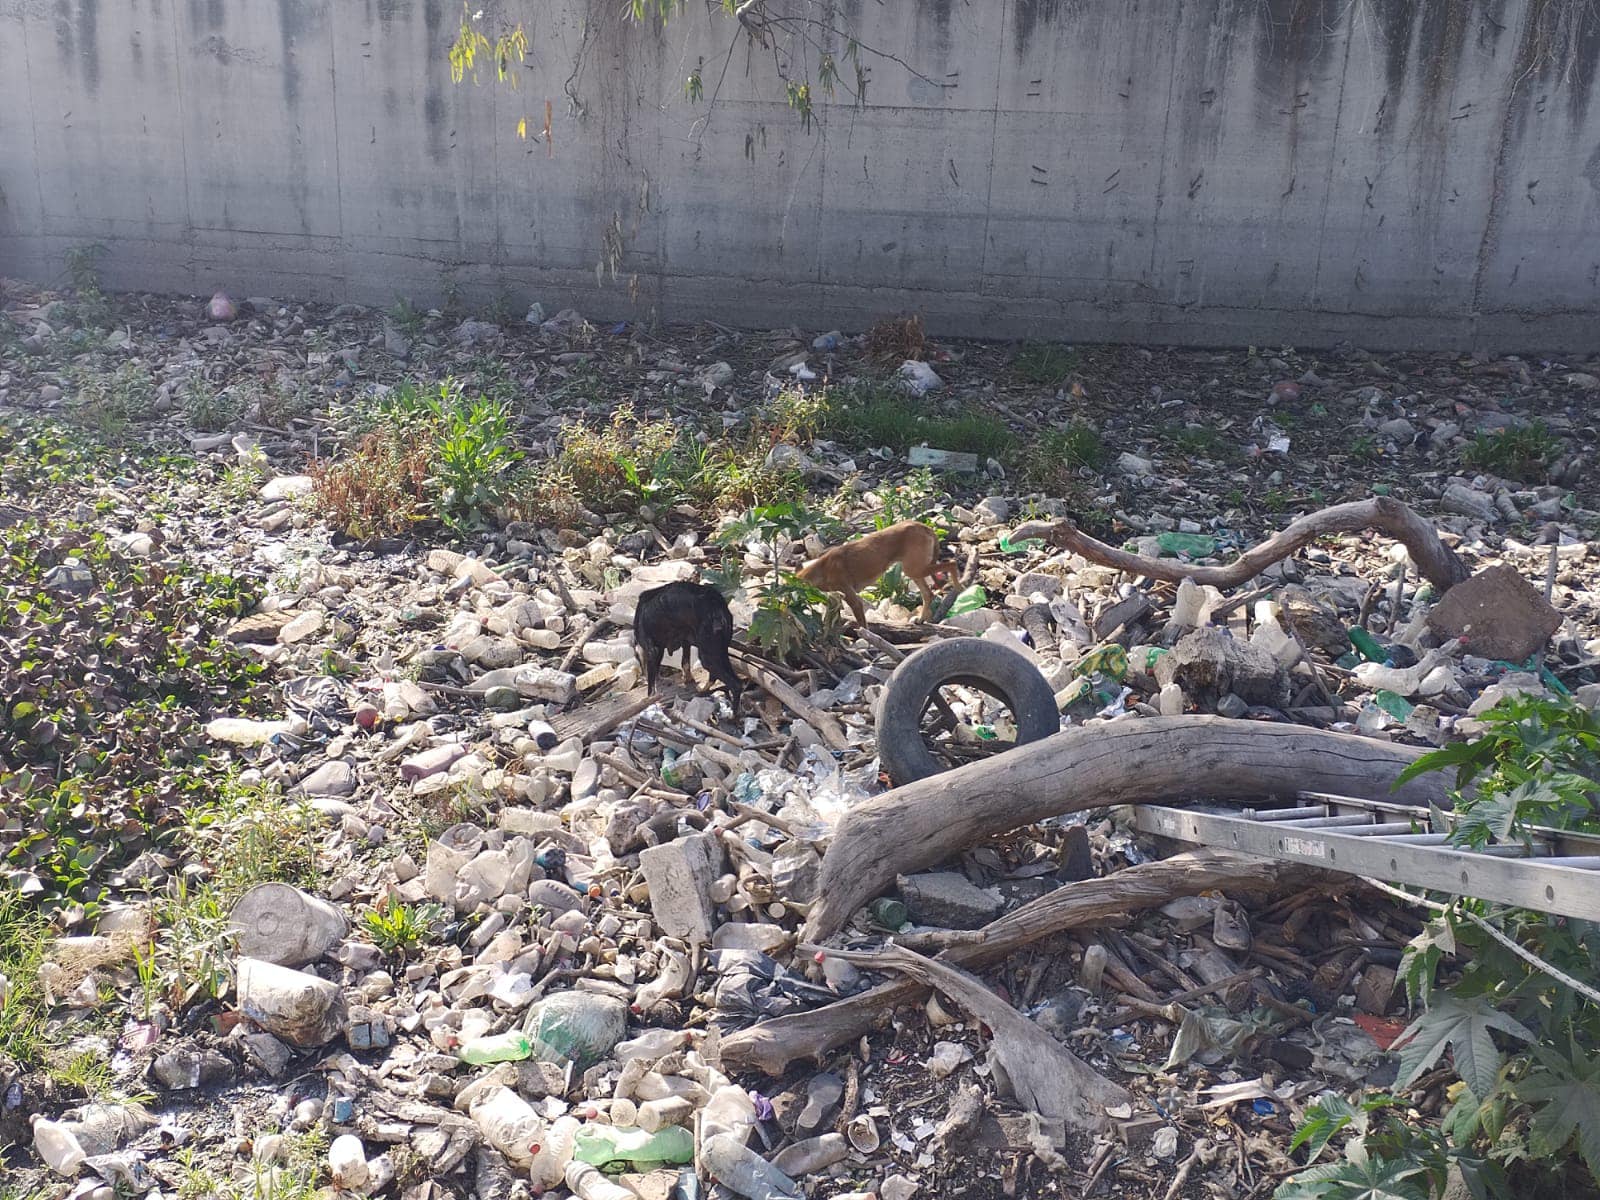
x: 988, y: 666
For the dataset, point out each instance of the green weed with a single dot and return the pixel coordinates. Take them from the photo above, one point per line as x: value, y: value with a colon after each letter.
x: 399, y: 929
x: 1045, y: 363
x: 1523, y: 452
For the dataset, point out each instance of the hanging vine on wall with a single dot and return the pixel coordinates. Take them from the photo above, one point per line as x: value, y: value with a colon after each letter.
x: 810, y: 53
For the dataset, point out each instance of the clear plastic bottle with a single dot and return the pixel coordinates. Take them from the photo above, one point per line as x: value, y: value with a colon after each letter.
x: 729, y: 1111
x: 509, y: 1124
x: 549, y: 1167
x: 58, y: 1145
x: 347, y: 1160
x: 587, y: 1183
x: 511, y: 1046
x: 736, y: 1166
x: 671, y: 1110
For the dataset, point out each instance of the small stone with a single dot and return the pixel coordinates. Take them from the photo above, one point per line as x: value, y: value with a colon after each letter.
x: 1583, y: 381
x: 1399, y: 430
x: 1501, y: 615
x: 993, y: 510
x: 948, y: 900
x: 1232, y: 707
x: 135, y: 545
x: 336, y: 778
x: 1132, y: 464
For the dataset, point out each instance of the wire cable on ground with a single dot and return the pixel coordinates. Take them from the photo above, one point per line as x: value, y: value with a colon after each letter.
x: 1511, y: 944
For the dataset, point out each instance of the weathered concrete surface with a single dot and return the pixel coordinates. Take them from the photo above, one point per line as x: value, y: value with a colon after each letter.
x: 1300, y: 171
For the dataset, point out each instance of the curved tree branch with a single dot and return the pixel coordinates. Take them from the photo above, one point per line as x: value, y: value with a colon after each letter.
x: 1155, y: 760
x: 1437, y: 563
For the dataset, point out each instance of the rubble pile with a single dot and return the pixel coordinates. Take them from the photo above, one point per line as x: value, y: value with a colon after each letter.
x: 607, y: 888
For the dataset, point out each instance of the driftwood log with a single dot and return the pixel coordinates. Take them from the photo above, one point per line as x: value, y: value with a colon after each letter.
x: 773, y: 1045
x: 1437, y: 563
x: 1156, y: 760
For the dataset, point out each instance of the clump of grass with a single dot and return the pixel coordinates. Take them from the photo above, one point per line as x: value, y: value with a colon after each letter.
x: 1197, y: 440
x: 1057, y: 455
x: 1045, y: 363
x: 871, y: 415
x: 213, y: 409
x: 1523, y: 452
x: 252, y: 835
x: 443, y: 456
x: 794, y: 416
x: 108, y: 403
x: 24, y: 944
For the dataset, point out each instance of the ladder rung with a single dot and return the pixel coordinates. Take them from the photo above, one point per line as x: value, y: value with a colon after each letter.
x: 1386, y: 829
x: 1328, y: 822
x: 1288, y: 814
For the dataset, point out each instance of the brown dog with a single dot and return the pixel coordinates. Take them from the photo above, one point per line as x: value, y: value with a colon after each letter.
x: 854, y: 565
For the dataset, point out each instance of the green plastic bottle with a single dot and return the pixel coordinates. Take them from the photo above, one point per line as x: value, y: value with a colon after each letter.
x: 1367, y: 645
x: 512, y: 1046
x: 600, y: 1145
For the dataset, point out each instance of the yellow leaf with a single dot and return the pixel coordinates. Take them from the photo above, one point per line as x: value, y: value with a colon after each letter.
x: 522, y: 128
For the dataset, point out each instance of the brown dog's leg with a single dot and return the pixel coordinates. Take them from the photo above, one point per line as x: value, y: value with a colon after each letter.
x: 927, y: 597
x: 856, y: 607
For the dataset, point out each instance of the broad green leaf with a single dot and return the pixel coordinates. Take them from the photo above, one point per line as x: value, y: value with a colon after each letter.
x: 1566, y: 1100
x: 1464, y: 1026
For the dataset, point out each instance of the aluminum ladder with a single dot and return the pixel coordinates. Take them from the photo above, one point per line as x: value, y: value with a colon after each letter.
x: 1394, y: 843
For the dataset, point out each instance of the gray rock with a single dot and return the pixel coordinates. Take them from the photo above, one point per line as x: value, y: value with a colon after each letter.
x: 1468, y: 503
x: 993, y: 509
x: 1041, y: 582
x: 948, y: 900
x: 1231, y: 706
x: 336, y: 778
x: 1399, y: 430
x: 1132, y: 464
x: 70, y: 578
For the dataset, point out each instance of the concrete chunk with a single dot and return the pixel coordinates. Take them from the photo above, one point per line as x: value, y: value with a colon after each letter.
x: 679, y: 875
x: 1500, y: 614
x: 948, y: 900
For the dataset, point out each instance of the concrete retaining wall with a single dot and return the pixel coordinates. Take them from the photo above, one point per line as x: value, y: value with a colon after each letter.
x: 1397, y: 172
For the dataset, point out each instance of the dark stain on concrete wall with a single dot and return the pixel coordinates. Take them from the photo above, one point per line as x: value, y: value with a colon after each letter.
x: 1029, y: 15
x: 433, y: 110
x: 1558, y: 46
x: 89, y: 41
x: 66, y: 33
x: 1292, y: 45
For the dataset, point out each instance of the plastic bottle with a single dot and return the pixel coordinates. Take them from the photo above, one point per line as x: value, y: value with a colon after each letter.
x: 58, y: 1145
x: 659, y: 1114
x: 1367, y: 645
x: 509, y: 1124
x: 347, y: 1159
x: 587, y: 1183
x: 651, y: 1044
x: 887, y: 912
x: 1186, y: 608
x: 736, y: 1166
x: 511, y: 1046
x: 603, y: 1144
x: 549, y: 1166
x: 729, y: 1111
x: 811, y: 1155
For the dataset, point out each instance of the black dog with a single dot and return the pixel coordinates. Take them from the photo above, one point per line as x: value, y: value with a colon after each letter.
x: 677, y: 616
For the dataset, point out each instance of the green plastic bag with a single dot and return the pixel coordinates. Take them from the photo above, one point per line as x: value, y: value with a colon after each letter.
x: 970, y: 600
x: 1186, y: 545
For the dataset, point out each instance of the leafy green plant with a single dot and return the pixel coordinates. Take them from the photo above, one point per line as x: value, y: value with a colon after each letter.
x: 871, y: 415
x: 210, y: 408
x: 1524, y: 452
x: 107, y: 664
x: 1537, y: 763
x: 786, y: 617
x: 108, y: 402
x: 397, y: 928
x: 473, y: 460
